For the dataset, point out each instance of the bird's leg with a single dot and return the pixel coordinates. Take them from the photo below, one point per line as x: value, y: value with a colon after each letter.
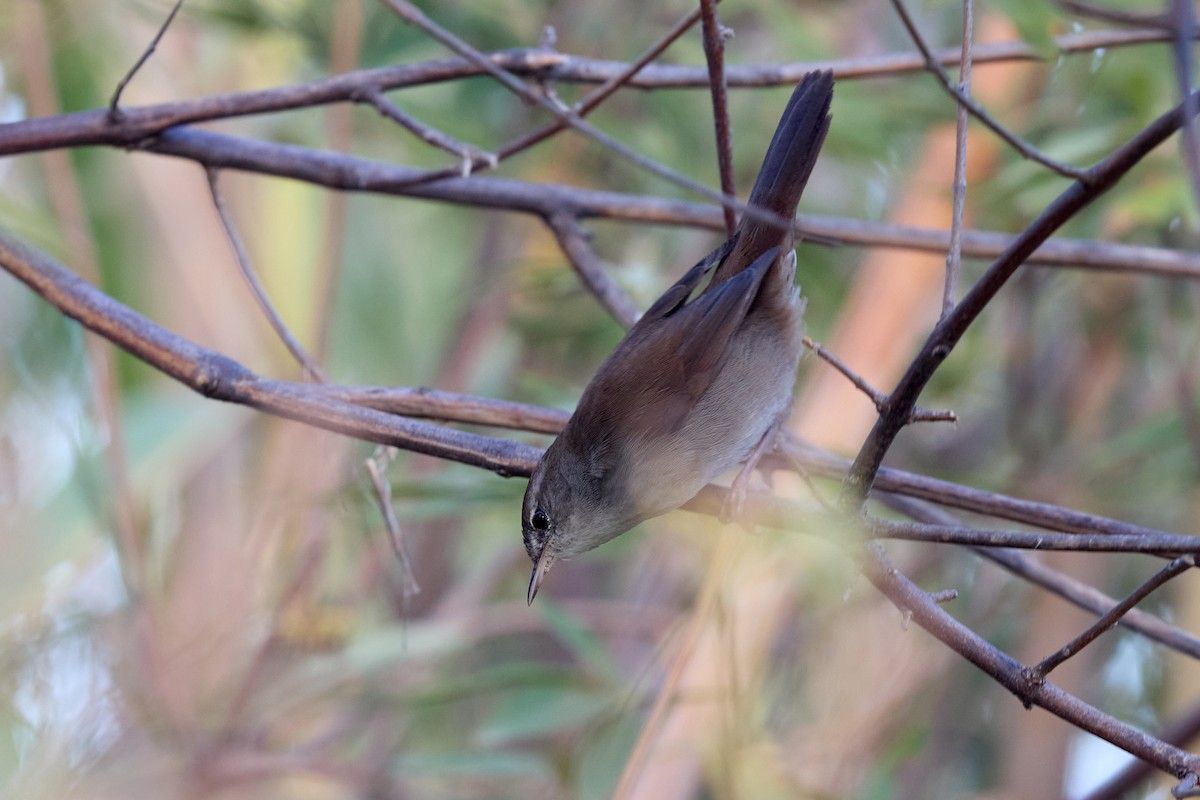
x: 736, y: 499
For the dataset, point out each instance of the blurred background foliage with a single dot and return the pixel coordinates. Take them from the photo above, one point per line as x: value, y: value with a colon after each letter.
x: 229, y: 621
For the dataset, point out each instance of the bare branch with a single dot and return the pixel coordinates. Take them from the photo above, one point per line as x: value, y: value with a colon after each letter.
x: 573, y: 242
x: 383, y: 497
x: 582, y: 108
x: 978, y: 501
x: 451, y: 407
x: 333, y: 408
x: 601, y: 93
x: 381, y: 415
x: 140, y: 123
x: 910, y: 599
x: 351, y: 173
x: 1163, y: 545
x: 1029, y: 568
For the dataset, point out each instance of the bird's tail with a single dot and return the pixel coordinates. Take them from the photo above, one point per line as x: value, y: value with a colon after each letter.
x: 785, y: 170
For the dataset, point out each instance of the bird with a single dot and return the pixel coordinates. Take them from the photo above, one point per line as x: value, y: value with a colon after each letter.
x: 700, y: 383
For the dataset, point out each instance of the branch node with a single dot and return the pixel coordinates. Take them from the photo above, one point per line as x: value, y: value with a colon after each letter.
x: 882, y: 401
x: 944, y: 596
x: 1033, y: 676
x: 115, y: 114
x: 213, y: 375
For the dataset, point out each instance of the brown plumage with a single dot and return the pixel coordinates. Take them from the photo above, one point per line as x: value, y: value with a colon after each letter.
x: 693, y: 386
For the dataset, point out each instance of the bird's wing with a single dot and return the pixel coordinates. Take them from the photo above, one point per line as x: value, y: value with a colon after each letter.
x: 667, y: 361
x: 678, y: 293
x: 710, y: 321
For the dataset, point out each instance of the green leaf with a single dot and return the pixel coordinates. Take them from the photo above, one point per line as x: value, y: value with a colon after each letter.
x: 382, y: 648
x: 472, y: 764
x: 583, y: 644
x: 532, y: 713
x: 1033, y: 21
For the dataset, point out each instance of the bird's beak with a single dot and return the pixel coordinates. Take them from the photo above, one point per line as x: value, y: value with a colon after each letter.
x: 545, y: 559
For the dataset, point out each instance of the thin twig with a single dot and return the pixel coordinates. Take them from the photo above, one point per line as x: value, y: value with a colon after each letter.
x: 912, y: 600
x: 573, y: 241
x: 959, y: 192
x: 114, y: 110
x: 793, y: 459
x: 414, y: 16
x: 714, y: 53
x: 1017, y: 143
x: 467, y: 154
x: 1175, y: 568
x: 605, y: 90
x: 294, y: 347
x: 582, y: 108
x: 383, y: 497
x: 878, y: 398
x: 437, y: 404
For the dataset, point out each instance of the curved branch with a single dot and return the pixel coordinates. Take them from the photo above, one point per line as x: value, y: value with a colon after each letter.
x: 221, y: 378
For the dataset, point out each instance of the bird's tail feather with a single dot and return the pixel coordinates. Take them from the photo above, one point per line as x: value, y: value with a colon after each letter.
x: 785, y: 169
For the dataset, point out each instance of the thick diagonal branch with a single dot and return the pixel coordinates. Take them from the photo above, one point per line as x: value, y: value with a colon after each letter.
x: 946, y: 335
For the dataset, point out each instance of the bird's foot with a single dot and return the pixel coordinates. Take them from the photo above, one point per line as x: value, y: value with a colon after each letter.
x: 735, y: 501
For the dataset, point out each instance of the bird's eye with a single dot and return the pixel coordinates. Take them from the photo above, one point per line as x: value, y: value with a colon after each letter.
x: 540, y: 521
